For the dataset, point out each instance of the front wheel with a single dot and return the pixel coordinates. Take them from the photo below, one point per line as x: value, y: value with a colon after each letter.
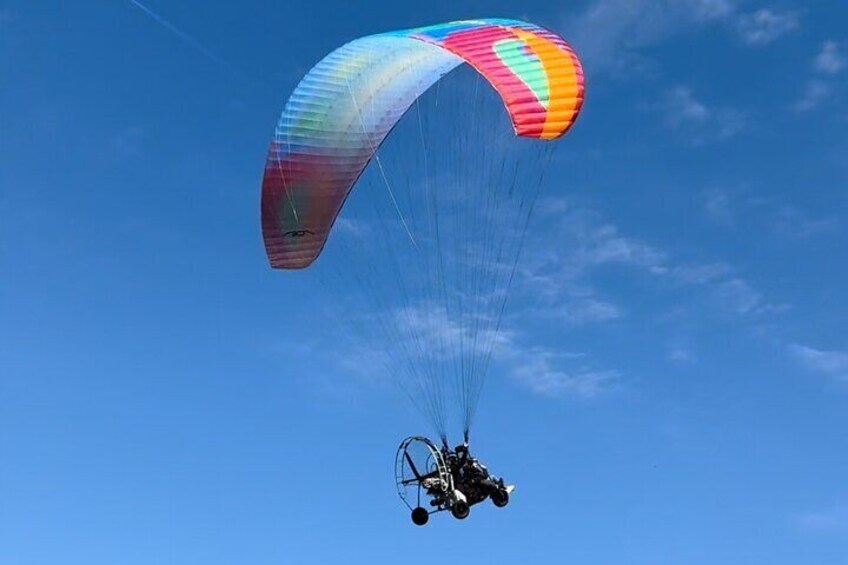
x: 500, y: 498
x: 420, y: 516
x: 460, y: 510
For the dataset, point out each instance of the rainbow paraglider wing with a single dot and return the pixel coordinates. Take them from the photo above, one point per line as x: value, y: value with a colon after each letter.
x: 345, y: 106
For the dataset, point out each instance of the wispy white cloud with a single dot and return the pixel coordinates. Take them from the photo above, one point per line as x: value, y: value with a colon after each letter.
x: 831, y: 520
x: 830, y: 61
x: 680, y: 352
x: 764, y: 26
x: 726, y: 208
x: 686, y: 113
x: 831, y: 363
x: 566, y: 281
x: 737, y: 295
x: 581, y: 309
x: 351, y: 227
x: 542, y: 372
x: 612, y: 34
x: 796, y: 223
x: 683, y: 107
x: 832, y: 58
x: 718, y: 207
x: 428, y: 331
x: 591, y: 242
x: 699, y: 274
x: 560, y: 278
x: 709, y: 10
x: 815, y: 93
x: 129, y: 141
x: 604, y: 245
x: 436, y: 330
x: 609, y: 34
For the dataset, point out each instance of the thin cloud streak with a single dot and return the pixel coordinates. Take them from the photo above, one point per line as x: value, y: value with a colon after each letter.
x: 188, y: 39
x: 830, y: 363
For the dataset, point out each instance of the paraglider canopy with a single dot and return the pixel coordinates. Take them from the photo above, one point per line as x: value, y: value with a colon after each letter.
x: 345, y: 106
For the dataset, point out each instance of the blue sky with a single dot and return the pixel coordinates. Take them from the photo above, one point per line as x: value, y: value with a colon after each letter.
x: 677, y: 392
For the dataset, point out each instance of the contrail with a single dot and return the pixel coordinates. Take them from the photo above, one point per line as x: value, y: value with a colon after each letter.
x: 187, y: 38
